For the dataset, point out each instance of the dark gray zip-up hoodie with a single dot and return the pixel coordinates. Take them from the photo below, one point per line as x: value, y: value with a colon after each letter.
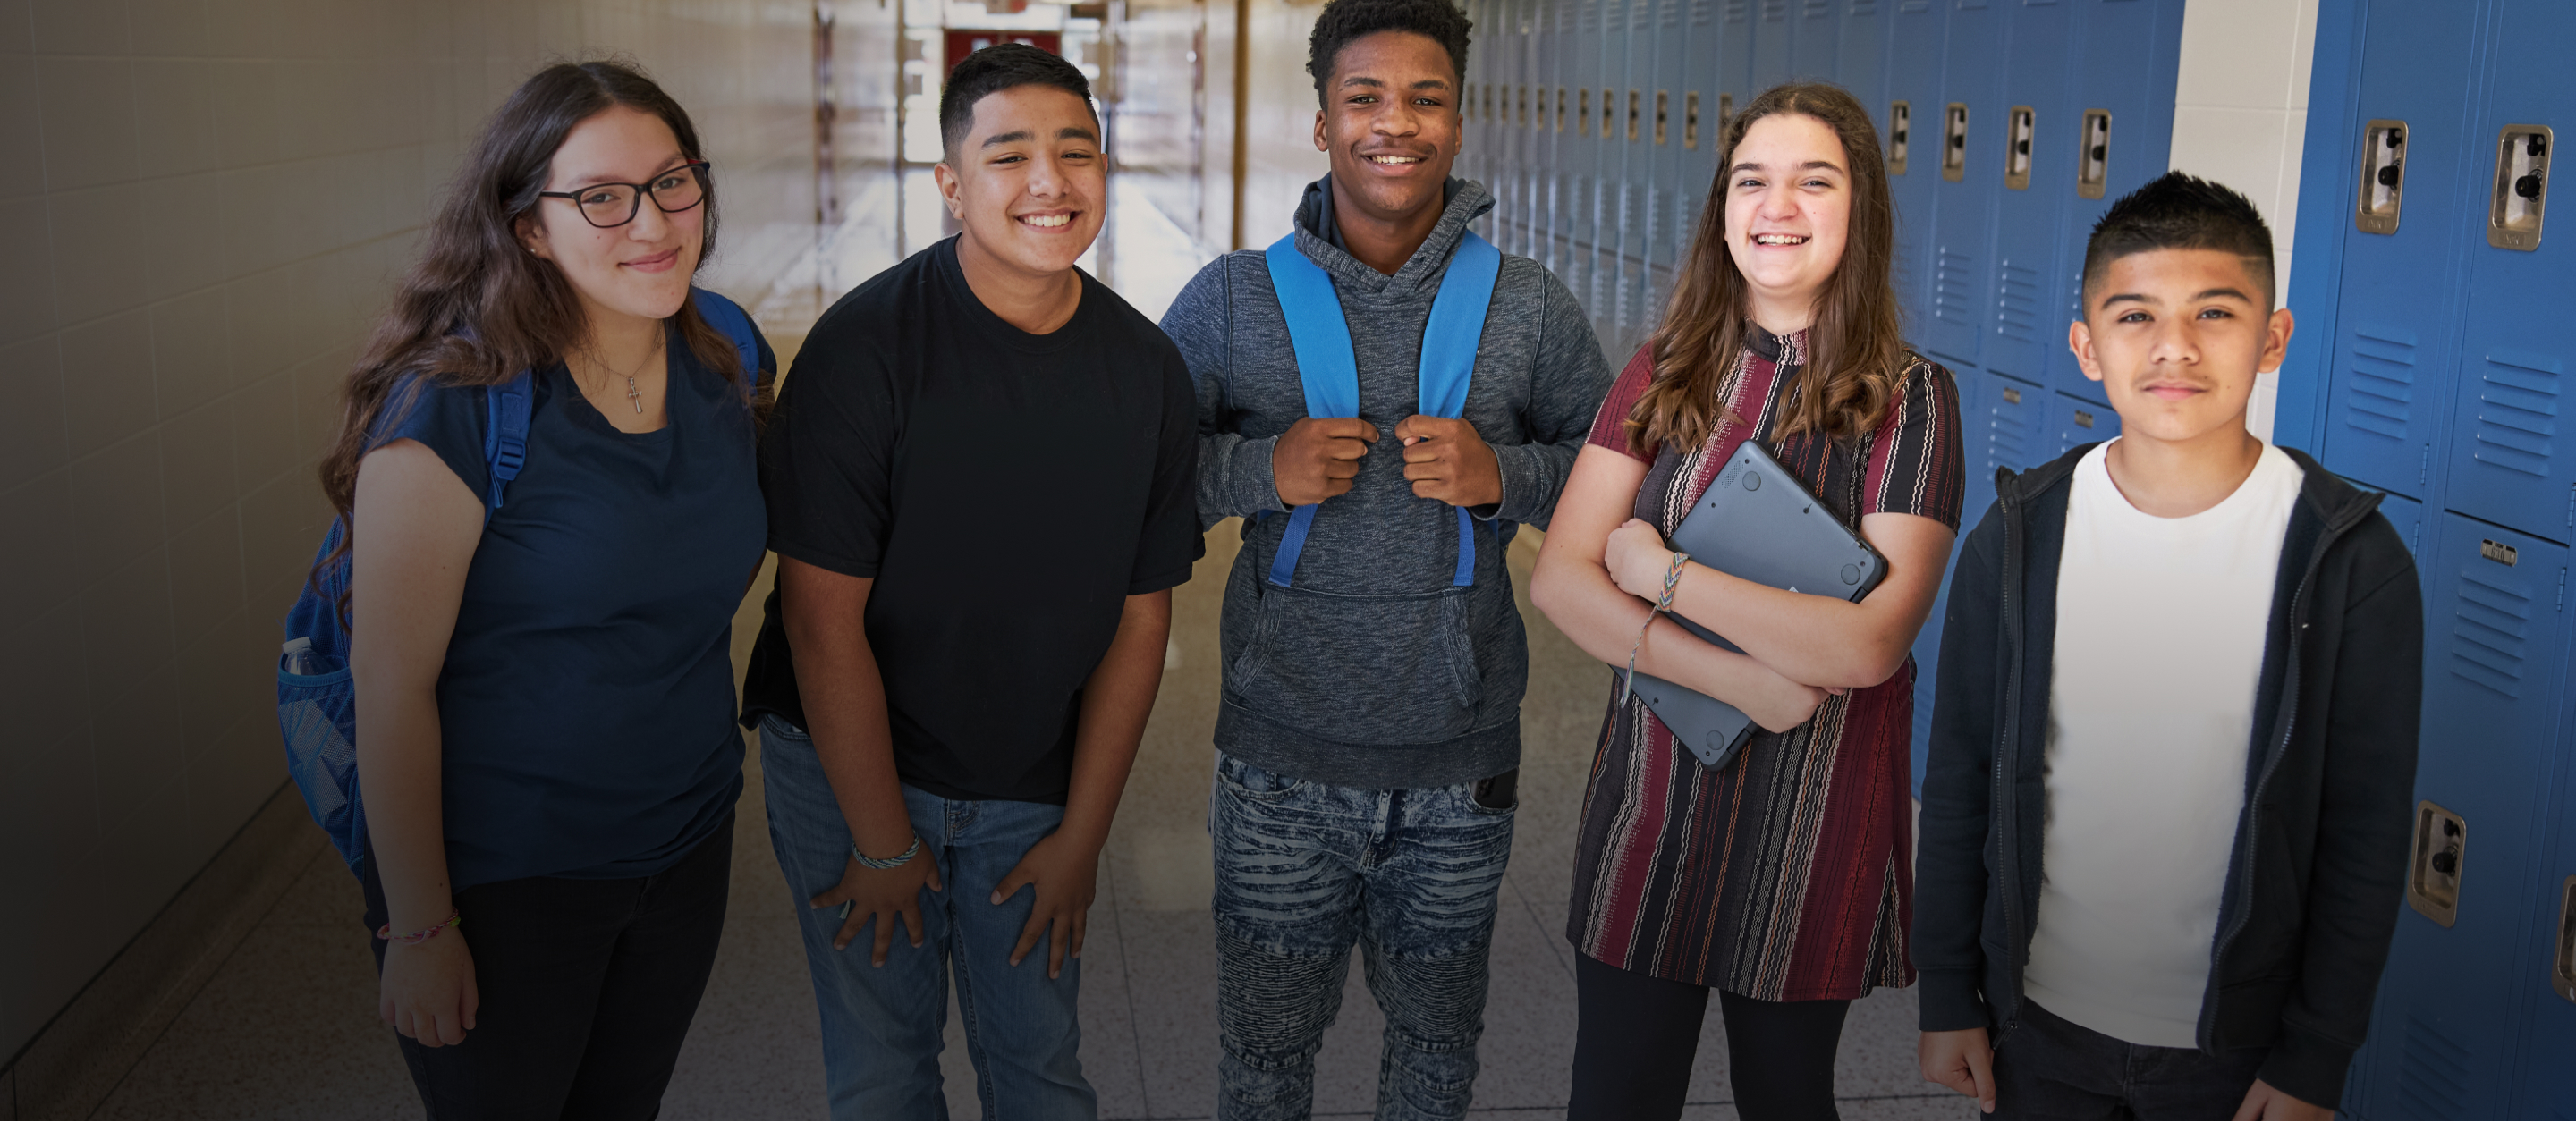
x: 1370, y: 670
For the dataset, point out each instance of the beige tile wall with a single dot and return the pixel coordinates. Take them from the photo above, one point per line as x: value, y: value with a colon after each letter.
x: 2241, y: 118
x: 203, y: 205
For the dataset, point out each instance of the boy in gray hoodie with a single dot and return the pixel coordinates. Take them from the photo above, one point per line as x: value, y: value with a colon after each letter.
x: 1369, y: 737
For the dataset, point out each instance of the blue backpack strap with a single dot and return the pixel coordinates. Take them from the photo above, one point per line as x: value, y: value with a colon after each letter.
x: 1449, y: 344
x: 1329, y: 372
x: 729, y: 318
x: 505, y: 433
x: 1326, y: 366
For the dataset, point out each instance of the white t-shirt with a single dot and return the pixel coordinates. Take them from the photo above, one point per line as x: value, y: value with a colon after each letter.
x: 2160, y: 632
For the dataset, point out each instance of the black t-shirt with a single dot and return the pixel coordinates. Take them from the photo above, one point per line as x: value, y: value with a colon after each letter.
x: 1006, y: 491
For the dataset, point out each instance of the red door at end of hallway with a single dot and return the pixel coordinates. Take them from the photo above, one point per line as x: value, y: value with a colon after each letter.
x: 967, y: 42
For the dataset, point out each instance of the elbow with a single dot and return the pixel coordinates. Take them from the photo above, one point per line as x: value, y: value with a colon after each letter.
x: 1547, y: 590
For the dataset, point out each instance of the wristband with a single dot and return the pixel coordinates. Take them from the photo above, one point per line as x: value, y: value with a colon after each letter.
x: 896, y: 862
x: 385, y: 931
x: 1672, y: 580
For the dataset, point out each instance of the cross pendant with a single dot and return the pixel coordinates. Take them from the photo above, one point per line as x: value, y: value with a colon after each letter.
x: 634, y: 395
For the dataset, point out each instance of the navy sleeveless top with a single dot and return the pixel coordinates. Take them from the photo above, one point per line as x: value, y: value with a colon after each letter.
x: 586, y: 708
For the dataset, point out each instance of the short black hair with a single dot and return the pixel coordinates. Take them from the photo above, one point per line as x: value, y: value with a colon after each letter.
x: 1343, y: 21
x: 2180, y: 212
x: 1000, y: 67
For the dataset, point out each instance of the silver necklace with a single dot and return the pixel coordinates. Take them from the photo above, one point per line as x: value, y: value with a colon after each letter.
x: 634, y: 396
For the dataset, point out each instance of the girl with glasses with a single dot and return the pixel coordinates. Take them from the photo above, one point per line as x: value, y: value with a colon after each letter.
x: 547, y: 754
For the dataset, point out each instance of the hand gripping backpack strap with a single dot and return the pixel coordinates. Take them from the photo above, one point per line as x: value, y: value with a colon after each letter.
x: 1329, y: 372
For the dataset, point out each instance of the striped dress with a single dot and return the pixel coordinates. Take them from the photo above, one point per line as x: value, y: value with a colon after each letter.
x: 1788, y: 875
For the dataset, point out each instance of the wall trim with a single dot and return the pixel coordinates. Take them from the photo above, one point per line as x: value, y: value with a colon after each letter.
x: 80, y: 1056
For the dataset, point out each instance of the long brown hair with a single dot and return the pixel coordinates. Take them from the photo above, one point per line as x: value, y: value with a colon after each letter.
x: 477, y: 307
x: 1856, y: 349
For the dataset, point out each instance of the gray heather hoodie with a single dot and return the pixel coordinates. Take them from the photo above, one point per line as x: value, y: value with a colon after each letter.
x: 1370, y: 670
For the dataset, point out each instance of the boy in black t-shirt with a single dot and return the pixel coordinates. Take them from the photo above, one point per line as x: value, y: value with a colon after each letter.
x: 979, y: 480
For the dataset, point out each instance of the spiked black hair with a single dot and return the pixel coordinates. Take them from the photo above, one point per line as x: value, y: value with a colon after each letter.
x: 1344, y: 21
x: 1000, y: 67
x: 2180, y: 212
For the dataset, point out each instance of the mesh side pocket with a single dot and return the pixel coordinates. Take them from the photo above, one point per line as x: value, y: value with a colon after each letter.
x: 316, y: 714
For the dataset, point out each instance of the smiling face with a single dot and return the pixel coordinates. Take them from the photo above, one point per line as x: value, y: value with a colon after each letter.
x: 1028, y: 181
x: 641, y: 269
x: 2176, y: 337
x: 1788, y: 215
x: 1390, y: 123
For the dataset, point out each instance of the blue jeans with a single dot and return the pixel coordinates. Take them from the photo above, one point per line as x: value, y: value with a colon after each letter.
x: 2051, y: 1068
x: 883, y: 1026
x: 1306, y: 869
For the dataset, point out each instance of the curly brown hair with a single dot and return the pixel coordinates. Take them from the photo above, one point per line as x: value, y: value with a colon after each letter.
x: 477, y: 307
x: 1856, y: 349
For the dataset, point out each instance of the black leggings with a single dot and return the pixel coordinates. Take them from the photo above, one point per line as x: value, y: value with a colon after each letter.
x: 588, y: 987
x: 1637, y: 1034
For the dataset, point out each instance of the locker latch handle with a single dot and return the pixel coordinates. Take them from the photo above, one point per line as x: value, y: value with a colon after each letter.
x: 2093, y: 163
x: 2521, y: 187
x: 2383, y: 177
x: 2433, y: 875
x: 2025, y: 125
x: 1900, y: 121
x: 1954, y: 142
x: 1690, y: 119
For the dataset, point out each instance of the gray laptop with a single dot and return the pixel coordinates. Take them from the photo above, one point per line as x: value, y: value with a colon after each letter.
x: 1758, y: 523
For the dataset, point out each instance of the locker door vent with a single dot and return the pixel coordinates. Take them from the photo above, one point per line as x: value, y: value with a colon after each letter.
x: 1954, y: 288
x: 2382, y: 361
x: 1773, y: 11
x: 1738, y: 10
x: 2521, y: 187
x: 2433, y: 1074
x: 1910, y: 7
x: 1863, y: 8
x: 2007, y: 434
x: 1700, y: 12
x: 2017, y: 302
x: 2518, y: 413
x: 2491, y: 627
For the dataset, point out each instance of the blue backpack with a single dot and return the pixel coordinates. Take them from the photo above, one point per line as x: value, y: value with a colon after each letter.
x: 316, y: 705
x: 1329, y: 371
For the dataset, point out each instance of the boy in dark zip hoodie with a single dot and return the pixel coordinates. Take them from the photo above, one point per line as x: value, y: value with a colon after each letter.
x: 1369, y: 734
x: 2180, y: 673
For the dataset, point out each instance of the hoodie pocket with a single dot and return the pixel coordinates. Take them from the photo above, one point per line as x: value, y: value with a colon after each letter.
x: 1371, y: 670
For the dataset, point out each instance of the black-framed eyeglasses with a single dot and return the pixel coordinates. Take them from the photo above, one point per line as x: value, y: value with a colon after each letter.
x: 611, y: 205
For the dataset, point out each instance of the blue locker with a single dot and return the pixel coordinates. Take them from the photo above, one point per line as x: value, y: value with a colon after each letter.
x: 2120, y: 100
x: 1914, y: 54
x: 1580, y: 153
x: 1511, y: 36
x: 1550, y: 110
x: 2452, y: 999
x: 1667, y: 107
x: 1773, y: 27
x: 1969, y: 122
x: 2074, y: 421
x: 2548, y: 955
x: 1475, y: 128
x: 1816, y: 45
x: 2035, y: 177
x: 2407, y: 516
x: 1699, y: 87
x: 1634, y: 139
x: 2004, y: 425
x: 2397, y: 317
x: 2507, y: 463
x: 1860, y: 58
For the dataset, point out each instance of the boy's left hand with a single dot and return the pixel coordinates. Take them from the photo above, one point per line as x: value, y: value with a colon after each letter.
x: 1066, y: 874
x: 1448, y: 461
x: 2264, y: 1101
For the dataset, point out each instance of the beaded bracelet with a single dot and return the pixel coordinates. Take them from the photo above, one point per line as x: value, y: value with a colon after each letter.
x: 896, y: 862
x: 385, y: 931
x: 1672, y: 580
